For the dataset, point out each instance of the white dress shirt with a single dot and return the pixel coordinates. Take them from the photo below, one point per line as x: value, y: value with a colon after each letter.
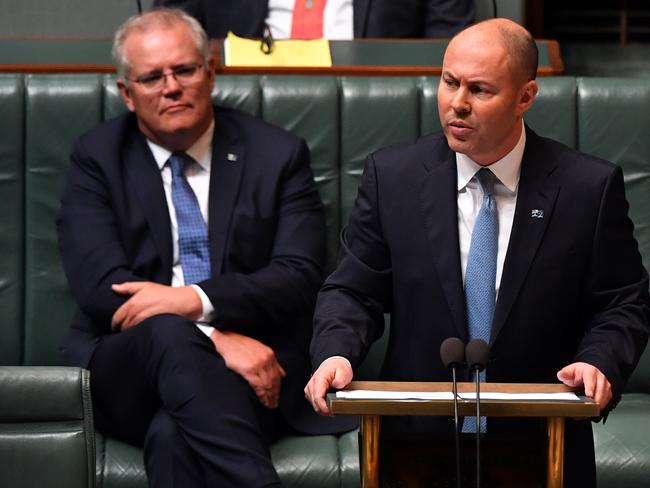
x: 337, y: 19
x: 470, y: 199
x: 198, y: 177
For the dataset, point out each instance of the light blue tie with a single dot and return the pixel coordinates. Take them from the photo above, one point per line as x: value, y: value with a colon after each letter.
x: 480, y: 275
x: 193, y: 249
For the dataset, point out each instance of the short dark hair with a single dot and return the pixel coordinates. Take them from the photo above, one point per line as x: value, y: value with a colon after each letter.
x: 523, y: 50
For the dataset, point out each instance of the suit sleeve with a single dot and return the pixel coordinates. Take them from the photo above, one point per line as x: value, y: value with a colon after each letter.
x: 89, y: 243
x: 350, y: 306
x: 617, y: 312
x: 285, y: 288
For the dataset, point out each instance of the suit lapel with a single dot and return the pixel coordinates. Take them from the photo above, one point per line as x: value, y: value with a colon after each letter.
x: 228, y: 159
x: 140, y: 166
x: 536, y: 197
x: 439, y: 199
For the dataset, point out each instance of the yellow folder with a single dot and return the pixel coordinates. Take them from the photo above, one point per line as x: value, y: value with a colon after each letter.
x: 294, y: 53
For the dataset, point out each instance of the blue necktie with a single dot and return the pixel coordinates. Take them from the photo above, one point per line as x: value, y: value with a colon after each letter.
x: 193, y: 249
x: 480, y: 275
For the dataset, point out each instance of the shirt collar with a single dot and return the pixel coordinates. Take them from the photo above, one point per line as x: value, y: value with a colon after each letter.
x: 506, y: 169
x: 200, y: 151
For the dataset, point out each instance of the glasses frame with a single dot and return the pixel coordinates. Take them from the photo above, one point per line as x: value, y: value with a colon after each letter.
x: 141, y: 80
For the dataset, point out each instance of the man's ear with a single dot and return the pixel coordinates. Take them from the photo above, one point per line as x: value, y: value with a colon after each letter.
x: 528, y: 95
x: 126, y: 95
x: 211, y: 70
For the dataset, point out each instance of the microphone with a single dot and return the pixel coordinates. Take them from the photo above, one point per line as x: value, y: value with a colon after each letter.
x: 452, y: 353
x: 477, y: 354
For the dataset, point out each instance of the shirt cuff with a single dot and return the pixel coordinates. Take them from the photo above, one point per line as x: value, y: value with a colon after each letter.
x: 207, y: 313
x: 206, y: 329
x: 337, y: 357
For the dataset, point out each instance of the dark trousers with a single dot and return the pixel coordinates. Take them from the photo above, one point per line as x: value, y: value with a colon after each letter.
x: 161, y: 385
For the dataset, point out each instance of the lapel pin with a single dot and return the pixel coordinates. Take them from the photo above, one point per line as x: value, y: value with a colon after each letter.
x: 232, y: 157
x: 537, y: 213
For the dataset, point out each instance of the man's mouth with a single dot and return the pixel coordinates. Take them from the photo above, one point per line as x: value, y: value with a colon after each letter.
x: 177, y: 107
x: 459, y: 128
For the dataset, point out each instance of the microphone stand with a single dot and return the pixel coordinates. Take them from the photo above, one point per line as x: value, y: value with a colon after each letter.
x: 452, y: 353
x: 456, y: 426
x: 477, y: 354
x: 478, y: 427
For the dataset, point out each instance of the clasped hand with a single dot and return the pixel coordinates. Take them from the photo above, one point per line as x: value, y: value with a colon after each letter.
x: 148, y: 299
x: 248, y: 357
x: 254, y: 361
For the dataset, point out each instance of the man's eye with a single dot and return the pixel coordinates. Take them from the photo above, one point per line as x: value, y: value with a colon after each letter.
x: 150, y: 79
x: 185, y: 70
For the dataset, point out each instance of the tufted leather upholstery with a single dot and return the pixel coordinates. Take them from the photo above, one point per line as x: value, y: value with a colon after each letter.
x: 46, y: 428
x: 342, y: 119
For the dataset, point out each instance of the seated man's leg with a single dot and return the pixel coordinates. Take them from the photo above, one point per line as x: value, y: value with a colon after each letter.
x: 167, y: 363
x: 168, y: 459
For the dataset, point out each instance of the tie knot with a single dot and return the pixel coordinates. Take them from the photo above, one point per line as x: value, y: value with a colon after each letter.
x: 486, y: 179
x: 178, y: 162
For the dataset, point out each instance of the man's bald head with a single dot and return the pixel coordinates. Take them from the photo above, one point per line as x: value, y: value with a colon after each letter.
x: 515, y: 39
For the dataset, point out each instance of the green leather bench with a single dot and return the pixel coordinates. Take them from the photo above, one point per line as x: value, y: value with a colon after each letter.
x: 342, y: 119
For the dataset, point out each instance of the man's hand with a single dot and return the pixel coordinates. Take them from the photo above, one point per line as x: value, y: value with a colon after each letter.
x: 333, y: 372
x: 595, y: 383
x: 254, y: 361
x: 149, y: 299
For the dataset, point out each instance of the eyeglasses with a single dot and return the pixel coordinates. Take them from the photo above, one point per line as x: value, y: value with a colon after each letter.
x: 185, y: 75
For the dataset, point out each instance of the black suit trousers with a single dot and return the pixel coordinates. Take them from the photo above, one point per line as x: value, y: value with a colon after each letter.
x: 162, y: 385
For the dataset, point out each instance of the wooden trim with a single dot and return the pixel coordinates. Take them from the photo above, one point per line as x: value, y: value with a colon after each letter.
x: 370, y: 432
x: 554, y: 58
x: 490, y: 408
x: 555, y: 462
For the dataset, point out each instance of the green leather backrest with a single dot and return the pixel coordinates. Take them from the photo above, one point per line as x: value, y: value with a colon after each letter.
x: 58, y: 109
x: 341, y: 118
x: 12, y: 122
x: 614, y: 123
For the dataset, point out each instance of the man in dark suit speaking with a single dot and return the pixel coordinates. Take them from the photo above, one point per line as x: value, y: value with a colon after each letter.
x: 488, y: 230
x: 179, y: 214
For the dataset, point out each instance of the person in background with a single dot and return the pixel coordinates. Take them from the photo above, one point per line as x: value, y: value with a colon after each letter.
x: 193, y: 240
x: 488, y: 231
x: 332, y: 19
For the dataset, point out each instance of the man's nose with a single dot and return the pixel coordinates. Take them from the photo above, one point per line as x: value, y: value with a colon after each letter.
x: 171, y: 84
x: 460, y: 102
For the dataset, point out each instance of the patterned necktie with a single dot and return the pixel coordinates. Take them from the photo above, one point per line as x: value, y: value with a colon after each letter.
x: 480, y: 275
x: 193, y: 249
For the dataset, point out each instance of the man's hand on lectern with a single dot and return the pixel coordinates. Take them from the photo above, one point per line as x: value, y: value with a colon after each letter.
x: 594, y: 381
x: 334, y: 372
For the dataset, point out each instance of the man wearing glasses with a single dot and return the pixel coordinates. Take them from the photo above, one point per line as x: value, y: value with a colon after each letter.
x: 193, y: 241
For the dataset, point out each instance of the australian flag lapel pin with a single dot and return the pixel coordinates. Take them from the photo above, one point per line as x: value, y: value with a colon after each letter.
x: 537, y: 213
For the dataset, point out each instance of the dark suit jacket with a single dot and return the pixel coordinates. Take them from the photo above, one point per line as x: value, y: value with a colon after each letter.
x: 266, y: 228
x: 372, y: 18
x: 573, y: 285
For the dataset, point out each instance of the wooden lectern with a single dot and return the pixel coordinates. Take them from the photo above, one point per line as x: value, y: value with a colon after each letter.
x: 370, y: 411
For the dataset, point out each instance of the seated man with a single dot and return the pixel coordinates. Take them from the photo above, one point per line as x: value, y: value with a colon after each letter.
x: 489, y: 231
x: 179, y: 214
